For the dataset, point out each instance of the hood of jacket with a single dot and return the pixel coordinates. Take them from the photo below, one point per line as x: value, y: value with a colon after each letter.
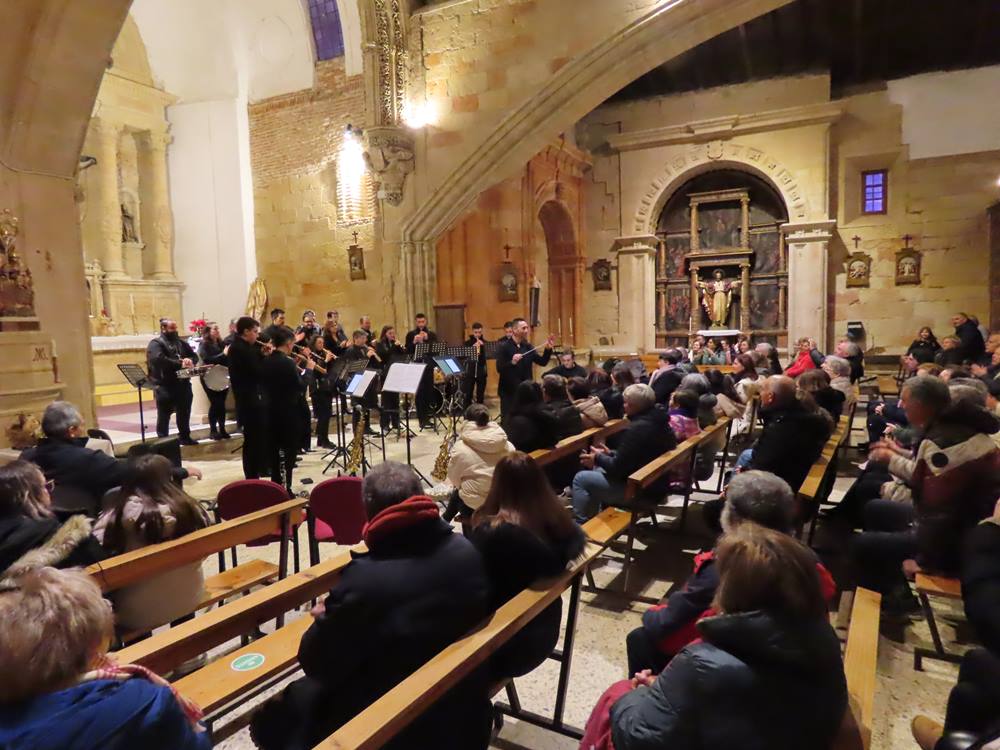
x: 486, y: 441
x: 592, y: 407
x: 56, y: 549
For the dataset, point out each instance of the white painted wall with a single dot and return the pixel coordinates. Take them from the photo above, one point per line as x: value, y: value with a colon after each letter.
x: 949, y: 113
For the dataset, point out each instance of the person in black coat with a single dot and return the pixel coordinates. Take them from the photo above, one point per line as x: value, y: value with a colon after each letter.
x: 924, y: 346
x: 246, y: 355
x: 475, y: 370
x: 65, y: 459
x: 165, y: 355
x: 606, y: 471
x: 666, y: 378
x: 389, y: 352
x: 321, y: 391
x: 421, y: 334
x: 516, y: 359
x: 361, y: 351
x: 277, y: 323
x: 528, y: 425
x: 416, y: 589
x: 817, y: 384
x: 558, y: 404
x: 971, y: 346
x: 567, y: 367
x: 768, y: 671
x: 524, y: 535
x: 212, y: 351
x: 282, y: 387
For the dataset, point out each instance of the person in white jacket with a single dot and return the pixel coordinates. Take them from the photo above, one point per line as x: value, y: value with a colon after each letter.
x: 480, y: 445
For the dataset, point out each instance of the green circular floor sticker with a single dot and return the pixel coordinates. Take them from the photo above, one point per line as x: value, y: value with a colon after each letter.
x: 247, y: 662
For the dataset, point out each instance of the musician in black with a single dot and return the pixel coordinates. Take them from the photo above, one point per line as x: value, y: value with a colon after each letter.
x: 366, y: 326
x: 211, y: 351
x: 515, y: 360
x: 390, y: 351
x: 361, y: 351
x: 421, y: 334
x: 231, y: 336
x: 165, y: 355
x: 334, y: 337
x: 246, y: 354
x: 567, y: 367
x: 321, y: 391
x: 282, y: 385
x: 277, y: 322
x: 475, y: 369
x: 308, y: 327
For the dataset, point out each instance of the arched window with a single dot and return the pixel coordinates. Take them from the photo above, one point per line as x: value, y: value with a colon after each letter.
x: 327, y: 33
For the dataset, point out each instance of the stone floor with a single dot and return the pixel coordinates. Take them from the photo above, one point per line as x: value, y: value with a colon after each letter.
x: 604, y: 620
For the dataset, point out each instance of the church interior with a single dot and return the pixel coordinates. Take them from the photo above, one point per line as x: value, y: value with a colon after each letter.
x: 329, y: 248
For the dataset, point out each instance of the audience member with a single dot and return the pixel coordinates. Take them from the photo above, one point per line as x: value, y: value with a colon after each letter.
x: 839, y: 370
x: 30, y: 534
x: 416, y: 589
x: 767, y: 672
x: 480, y: 446
x: 524, y: 534
x: 151, y: 509
x: 613, y: 399
x: 683, y: 414
x: 647, y: 436
x: 667, y: 376
x: 528, y: 426
x: 709, y: 354
x: 924, y: 346
x: 567, y: 367
x: 850, y: 351
x: 955, y: 371
x: 558, y: 404
x: 697, y: 382
x: 768, y: 350
x: 971, y: 343
x: 59, y: 688
x: 817, y: 384
x: 600, y: 383
x: 592, y: 411
x: 981, y: 580
x: 803, y: 360
x: 727, y: 399
x: 951, y: 352
x: 63, y: 457
x: 973, y: 706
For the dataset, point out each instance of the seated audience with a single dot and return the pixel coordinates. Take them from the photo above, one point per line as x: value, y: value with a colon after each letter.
x: 529, y: 426
x: 981, y: 580
x: 767, y: 672
x: 667, y: 376
x: 773, y: 363
x: 818, y: 385
x: 524, y: 534
x: 839, y: 370
x: 30, y: 534
x: 744, y: 374
x: 709, y: 354
x: 993, y: 396
x: 621, y: 378
x: 600, y: 383
x: 955, y: 371
x: 684, y: 414
x: 707, y: 401
x: 557, y: 404
x: 60, y: 690
x: 416, y: 589
x: 752, y: 497
x: 803, y: 360
x: 727, y: 400
x: 951, y: 352
x: 990, y: 369
x: 850, y: 351
x: 63, y: 457
x: 151, y: 509
x: 973, y: 706
x: 971, y: 342
x: 480, y: 446
x: 606, y: 472
x: 567, y: 367
x: 924, y: 346
x: 592, y: 411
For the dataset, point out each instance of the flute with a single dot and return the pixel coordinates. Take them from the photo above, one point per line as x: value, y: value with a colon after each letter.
x: 320, y: 370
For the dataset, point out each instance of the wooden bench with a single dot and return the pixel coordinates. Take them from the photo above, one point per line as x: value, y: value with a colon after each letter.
x: 861, y: 663
x: 944, y: 588
x: 819, y: 481
x: 573, y: 444
x: 163, y: 652
x: 391, y: 713
x: 887, y: 385
x: 724, y: 369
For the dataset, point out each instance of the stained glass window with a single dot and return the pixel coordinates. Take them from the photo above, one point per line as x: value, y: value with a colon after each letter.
x: 875, y: 191
x: 327, y: 33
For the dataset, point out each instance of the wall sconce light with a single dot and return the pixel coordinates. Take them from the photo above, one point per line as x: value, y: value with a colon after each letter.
x: 418, y: 115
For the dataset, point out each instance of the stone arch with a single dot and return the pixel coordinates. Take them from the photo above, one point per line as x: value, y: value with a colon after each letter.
x: 564, y: 265
x: 699, y: 160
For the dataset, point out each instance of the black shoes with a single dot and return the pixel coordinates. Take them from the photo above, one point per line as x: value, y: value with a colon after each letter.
x: 187, y: 441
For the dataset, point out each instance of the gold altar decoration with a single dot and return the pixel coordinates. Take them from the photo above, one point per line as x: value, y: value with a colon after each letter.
x: 257, y: 299
x: 716, y: 297
x: 17, y: 292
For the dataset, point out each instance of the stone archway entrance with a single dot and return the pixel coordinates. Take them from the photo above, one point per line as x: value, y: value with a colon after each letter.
x: 565, y: 270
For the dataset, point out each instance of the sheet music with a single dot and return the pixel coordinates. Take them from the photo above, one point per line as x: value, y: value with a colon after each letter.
x: 360, y: 384
x: 404, y: 378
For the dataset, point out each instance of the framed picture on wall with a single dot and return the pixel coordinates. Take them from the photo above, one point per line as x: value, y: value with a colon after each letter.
x: 907, y: 267
x: 859, y: 270
x: 356, y: 262
x: 602, y: 275
x: 508, y: 287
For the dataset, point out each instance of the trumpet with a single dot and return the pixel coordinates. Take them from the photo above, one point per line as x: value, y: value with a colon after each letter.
x: 303, y: 357
x: 307, y: 352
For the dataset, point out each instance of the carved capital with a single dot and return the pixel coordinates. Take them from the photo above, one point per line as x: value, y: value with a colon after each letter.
x: 389, y: 155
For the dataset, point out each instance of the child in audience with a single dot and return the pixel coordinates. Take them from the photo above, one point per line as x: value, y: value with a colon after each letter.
x: 59, y: 690
x: 151, y: 509
x: 524, y: 534
x: 592, y: 411
x: 480, y: 445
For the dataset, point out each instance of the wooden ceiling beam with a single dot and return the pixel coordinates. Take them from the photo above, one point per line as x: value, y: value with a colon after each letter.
x: 745, y: 51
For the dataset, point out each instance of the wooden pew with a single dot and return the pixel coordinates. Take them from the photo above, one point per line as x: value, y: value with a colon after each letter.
x: 887, y: 385
x: 391, y: 713
x: 724, y: 369
x: 944, y: 588
x: 572, y: 445
x: 819, y: 481
x: 861, y: 661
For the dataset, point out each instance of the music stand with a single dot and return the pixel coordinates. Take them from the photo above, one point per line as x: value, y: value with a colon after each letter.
x: 491, y: 349
x: 335, y: 373
x: 357, y: 389
x: 137, y: 378
x: 404, y: 379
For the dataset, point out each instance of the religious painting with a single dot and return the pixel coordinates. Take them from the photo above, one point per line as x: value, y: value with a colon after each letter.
x: 356, y: 262
x: 907, y: 267
x: 508, y: 283
x: 678, y: 308
x: 719, y: 225
x: 602, y: 275
x: 859, y: 270
x: 764, y: 310
x: 677, y: 248
x: 767, y: 252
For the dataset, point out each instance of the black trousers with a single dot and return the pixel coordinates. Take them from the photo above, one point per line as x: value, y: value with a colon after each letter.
x: 643, y: 653
x: 389, y: 418
x: 174, y: 399
x: 878, y: 553
x: 424, y: 395
x: 305, y: 424
x: 216, y: 408
x: 286, y: 440
x: 974, y: 702
x: 322, y: 401
x: 475, y: 380
x: 256, y: 454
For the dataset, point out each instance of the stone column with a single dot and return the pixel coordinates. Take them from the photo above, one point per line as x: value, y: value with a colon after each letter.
x: 157, y: 222
x: 808, y: 249
x: 105, y: 135
x: 745, y: 297
x: 637, y: 291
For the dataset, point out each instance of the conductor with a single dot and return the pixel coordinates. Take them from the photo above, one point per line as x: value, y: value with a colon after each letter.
x: 516, y: 359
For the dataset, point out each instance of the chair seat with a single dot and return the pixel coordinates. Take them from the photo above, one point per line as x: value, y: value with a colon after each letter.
x: 323, y: 531
x: 271, y: 538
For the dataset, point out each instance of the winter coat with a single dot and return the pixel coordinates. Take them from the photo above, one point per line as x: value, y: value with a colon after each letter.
x: 476, y: 453
x: 395, y: 607
x: 567, y: 417
x: 105, y: 714
x: 830, y: 399
x: 158, y: 599
x: 789, y: 444
x: 843, y: 384
x: 27, y: 543
x: 592, y: 412
x: 648, y: 436
x: 614, y: 402
x: 973, y: 345
x: 727, y: 407
x: 755, y: 682
x: 802, y: 363
x: 532, y: 429
x: 515, y: 559
x: 665, y: 382
x: 981, y: 581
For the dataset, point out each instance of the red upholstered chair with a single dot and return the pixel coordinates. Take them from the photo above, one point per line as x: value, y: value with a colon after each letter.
x: 337, y: 513
x: 248, y: 496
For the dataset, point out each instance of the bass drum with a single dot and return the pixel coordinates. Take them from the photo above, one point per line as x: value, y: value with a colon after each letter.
x: 217, y: 378
x: 435, y: 401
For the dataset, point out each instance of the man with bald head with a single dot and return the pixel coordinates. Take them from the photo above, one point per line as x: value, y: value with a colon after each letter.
x: 793, y: 435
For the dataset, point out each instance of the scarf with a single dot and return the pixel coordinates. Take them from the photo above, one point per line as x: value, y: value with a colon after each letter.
x: 416, y: 509
x: 109, y: 669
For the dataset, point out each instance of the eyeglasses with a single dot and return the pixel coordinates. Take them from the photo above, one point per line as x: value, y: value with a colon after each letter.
x: 50, y: 484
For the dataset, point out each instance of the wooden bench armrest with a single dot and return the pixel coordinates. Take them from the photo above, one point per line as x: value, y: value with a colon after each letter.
x: 861, y: 659
x: 950, y: 588
x: 573, y: 444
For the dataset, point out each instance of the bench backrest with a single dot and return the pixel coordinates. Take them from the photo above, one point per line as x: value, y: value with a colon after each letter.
x: 861, y: 659
x: 655, y: 469
x: 130, y: 567
x: 573, y: 444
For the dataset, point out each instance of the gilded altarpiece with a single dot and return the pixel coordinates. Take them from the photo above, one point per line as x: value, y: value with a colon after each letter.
x: 729, y: 220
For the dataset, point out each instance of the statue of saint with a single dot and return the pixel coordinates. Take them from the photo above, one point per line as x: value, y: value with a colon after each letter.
x: 716, y: 297
x: 128, y: 226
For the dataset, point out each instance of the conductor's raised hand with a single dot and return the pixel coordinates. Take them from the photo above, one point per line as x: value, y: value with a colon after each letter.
x: 550, y: 341
x: 516, y: 358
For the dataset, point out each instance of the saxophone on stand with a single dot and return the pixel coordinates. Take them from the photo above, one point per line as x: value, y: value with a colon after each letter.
x: 356, y: 451
x: 440, y: 470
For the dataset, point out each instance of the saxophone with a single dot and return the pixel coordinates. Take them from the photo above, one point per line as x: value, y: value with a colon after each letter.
x: 356, y: 454
x: 440, y: 470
